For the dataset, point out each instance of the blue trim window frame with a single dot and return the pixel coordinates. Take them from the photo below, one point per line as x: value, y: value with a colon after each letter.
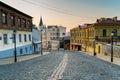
x: 26, y: 49
x: 25, y: 38
x: 5, y: 38
x: 29, y: 37
x: 30, y: 48
x: 20, y: 38
x: 21, y: 51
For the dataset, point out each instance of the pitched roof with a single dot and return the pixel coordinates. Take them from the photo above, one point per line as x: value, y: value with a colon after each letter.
x: 107, y: 21
x: 3, y: 4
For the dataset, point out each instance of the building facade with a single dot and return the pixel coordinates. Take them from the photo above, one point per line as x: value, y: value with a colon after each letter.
x: 36, y: 39
x: 76, y: 38
x: 43, y: 34
x: 54, y: 34
x: 91, y: 37
x: 66, y: 43
x: 13, y: 20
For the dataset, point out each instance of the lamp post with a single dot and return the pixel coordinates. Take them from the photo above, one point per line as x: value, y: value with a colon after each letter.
x: 41, y: 43
x: 15, y: 53
x: 94, y: 47
x: 94, y: 41
x: 112, y: 34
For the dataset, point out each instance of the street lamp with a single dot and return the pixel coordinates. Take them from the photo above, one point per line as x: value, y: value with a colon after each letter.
x: 15, y: 53
x: 94, y: 47
x: 94, y: 41
x: 41, y: 43
x: 112, y: 34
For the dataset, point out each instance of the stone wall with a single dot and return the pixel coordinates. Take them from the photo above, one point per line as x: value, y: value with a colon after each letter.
x: 106, y: 50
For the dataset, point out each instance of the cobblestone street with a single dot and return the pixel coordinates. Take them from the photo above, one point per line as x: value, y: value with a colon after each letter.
x: 65, y: 65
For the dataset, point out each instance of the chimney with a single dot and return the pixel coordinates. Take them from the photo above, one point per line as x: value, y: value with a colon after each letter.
x: 98, y: 21
x: 79, y: 26
x: 115, y: 18
x: 102, y: 19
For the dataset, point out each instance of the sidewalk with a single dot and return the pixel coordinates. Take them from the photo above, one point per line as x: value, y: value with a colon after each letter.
x: 107, y: 58
x: 10, y: 60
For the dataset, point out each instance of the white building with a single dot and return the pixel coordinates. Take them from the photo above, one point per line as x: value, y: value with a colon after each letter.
x: 13, y: 20
x: 54, y: 34
x: 62, y: 31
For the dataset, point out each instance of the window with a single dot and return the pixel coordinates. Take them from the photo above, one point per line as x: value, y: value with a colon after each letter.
x: 115, y: 32
x: 20, y: 38
x: 25, y: 38
x: 26, y: 49
x: 104, y: 33
x: 53, y: 29
x: 30, y: 48
x: 21, y: 51
x: 28, y: 24
x: 57, y: 34
x: 29, y: 37
x: 12, y: 21
x: 4, y: 18
x: 0, y: 38
x: 5, y: 38
x: 51, y: 38
x: 24, y: 23
x: 63, y: 33
x: 19, y: 22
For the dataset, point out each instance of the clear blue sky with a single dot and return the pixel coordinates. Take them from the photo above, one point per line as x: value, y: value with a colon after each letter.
x: 68, y: 13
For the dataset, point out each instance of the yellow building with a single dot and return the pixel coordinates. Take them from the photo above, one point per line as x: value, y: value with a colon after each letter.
x: 75, y: 38
x: 91, y: 37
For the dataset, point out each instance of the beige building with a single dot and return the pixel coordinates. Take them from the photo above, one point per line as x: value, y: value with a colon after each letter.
x: 54, y: 33
x: 43, y: 35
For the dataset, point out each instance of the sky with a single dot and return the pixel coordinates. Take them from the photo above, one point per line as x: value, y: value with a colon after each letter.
x: 67, y: 13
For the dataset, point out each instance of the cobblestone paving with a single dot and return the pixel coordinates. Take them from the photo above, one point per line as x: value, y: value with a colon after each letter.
x: 79, y: 67
x: 39, y: 68
x: 85, y: 67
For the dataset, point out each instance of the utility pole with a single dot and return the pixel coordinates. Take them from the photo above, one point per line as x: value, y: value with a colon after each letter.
x: 15, y: 53
x: 41, y: 43
x: 112, y: 34
x: 94, y: 41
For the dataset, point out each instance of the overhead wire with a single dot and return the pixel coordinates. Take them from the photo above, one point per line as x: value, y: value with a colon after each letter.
x: 50, y: 8
x: 46, y: 4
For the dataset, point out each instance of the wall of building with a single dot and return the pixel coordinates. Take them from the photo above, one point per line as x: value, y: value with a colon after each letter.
x: 36, y: 38
x: 106, y: 50
x: 54, y: 33
x: 62, y: 31
x: 7, y: 50
x: 8, y: 24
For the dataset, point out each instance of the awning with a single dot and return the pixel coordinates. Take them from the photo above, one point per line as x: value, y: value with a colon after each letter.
x: 37, y: 42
